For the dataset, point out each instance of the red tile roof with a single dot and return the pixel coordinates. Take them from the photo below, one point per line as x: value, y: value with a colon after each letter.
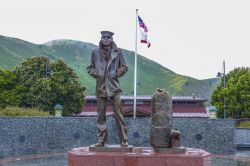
x: 188, y: 109
x: 174, y: 98
x: 179, y: 110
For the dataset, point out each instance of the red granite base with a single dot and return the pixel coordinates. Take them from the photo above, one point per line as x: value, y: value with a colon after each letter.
x: 141, y: 156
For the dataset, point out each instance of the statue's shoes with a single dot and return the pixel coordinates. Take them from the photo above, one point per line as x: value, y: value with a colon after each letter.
x: 99, y: 144
x: 124, y: 144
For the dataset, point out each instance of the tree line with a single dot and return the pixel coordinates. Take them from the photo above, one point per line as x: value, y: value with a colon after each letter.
x: 40, y: 83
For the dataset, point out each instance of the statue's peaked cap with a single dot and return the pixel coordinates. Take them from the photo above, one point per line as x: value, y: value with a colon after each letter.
x: 107, y: 33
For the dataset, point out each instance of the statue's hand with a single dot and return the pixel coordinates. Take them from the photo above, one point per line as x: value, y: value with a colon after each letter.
x: 119, y: 73
x: 93, y: 72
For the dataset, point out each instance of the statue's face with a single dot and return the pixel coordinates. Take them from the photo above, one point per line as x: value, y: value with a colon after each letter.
x: 106, y: 40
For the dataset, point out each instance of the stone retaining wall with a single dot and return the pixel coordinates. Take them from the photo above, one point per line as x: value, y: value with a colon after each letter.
x: 242, y: 136
x: 35, y: 135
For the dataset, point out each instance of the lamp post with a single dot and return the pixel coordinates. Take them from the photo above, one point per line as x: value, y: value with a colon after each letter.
x: 48, y: 72
x: 224, y: 76
x: 58, y: 110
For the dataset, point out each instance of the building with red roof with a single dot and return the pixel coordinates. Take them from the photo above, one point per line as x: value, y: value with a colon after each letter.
x: 183, y: 106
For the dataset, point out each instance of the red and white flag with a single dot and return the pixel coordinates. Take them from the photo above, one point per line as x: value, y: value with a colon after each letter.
x: 144, y: 32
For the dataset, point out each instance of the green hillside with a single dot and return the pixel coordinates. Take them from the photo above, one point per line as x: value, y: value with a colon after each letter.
x: 76, y: 54
x: 213, y: 82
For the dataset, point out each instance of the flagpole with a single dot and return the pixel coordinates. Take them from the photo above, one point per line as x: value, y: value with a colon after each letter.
x: 135, y: 69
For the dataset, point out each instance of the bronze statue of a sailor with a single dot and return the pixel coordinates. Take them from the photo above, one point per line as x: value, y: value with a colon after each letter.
x: 107, y: 64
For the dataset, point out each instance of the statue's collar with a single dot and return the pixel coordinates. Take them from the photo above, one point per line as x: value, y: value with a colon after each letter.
x: 113, y: 46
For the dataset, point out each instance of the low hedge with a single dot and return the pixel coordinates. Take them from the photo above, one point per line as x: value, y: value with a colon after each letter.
x: 17, y: 111
x: 244, y: 124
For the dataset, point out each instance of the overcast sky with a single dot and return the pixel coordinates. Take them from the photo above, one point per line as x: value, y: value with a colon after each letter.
x: 190, y: 37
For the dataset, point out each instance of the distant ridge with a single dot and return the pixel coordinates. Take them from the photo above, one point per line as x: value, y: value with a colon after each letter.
x: 76, y: 54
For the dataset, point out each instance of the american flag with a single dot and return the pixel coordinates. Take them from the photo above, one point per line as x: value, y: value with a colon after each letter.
x: 144, y: 31
x: 142, y: 25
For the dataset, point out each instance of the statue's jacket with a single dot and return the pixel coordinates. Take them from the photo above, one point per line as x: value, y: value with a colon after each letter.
x: 107, y: 72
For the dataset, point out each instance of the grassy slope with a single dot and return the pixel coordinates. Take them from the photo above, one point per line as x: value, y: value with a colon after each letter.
x: 76, y: 54
x: 213, y: 82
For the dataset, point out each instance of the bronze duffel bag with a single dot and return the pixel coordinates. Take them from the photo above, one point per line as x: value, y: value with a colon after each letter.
x: 160, y: 134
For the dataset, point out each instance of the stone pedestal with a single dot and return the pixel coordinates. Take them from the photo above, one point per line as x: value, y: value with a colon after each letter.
x: 111, y: 148
x: 140, y: 156
x: 177, y: 150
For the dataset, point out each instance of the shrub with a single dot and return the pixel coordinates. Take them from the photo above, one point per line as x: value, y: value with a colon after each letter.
x: 245, y: 124
x: 17, y: 111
